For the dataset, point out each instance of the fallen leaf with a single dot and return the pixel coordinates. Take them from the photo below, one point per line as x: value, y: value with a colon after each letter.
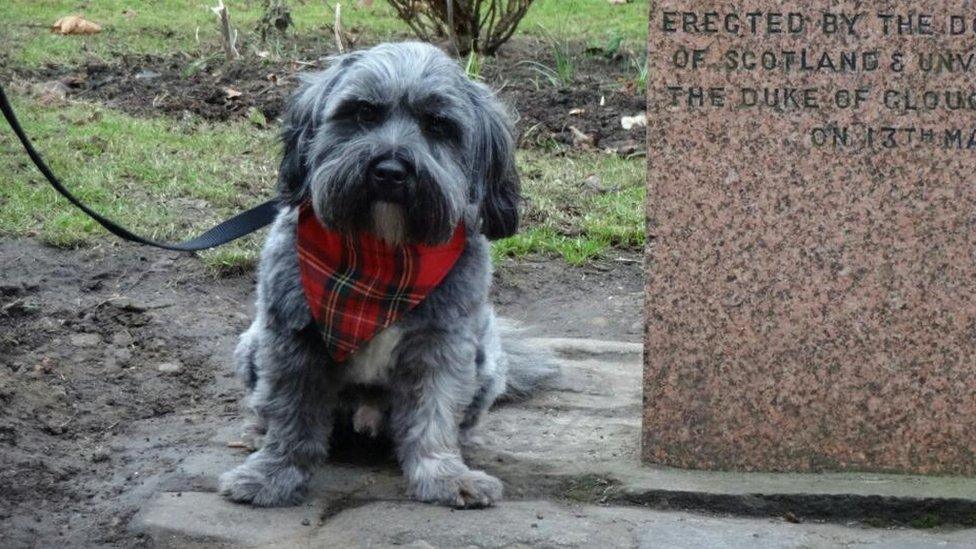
x: 580, y: 139
x: 93, y: 117
x: 75, y: 24
x: 594, y: 184
x: 231, y: 93
x: 628, y: 148
x: 628, y: 122
x: 147, y: 74
x: 51, y: 92
x: 76, y: 80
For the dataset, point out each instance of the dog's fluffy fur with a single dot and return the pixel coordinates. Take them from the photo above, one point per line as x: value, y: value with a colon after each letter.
x: 428, y: 379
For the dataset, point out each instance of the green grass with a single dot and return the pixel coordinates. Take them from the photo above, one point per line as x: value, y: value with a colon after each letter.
x: 189, y: 26
x: 170, y: 179
x: 639, y: 69
x: 163, y: 178
x: 565, y: 218
x: 588, y: 20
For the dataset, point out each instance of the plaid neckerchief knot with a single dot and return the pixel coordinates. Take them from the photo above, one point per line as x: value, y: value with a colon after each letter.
x: 358, y: 285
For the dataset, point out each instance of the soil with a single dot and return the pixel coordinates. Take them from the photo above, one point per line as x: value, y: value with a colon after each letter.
x: 114, y: 366
x: 600, y: 92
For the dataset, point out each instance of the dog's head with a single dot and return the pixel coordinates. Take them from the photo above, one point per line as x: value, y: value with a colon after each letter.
x: 397, y: 141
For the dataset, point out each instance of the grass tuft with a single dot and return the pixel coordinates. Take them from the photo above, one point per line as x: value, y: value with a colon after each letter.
x: 639, y: 66
x: 566, y: 219
x: 234, y: 259
x: 473, y: 66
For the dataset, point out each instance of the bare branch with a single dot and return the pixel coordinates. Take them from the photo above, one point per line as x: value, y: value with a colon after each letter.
x: 228, y: 34
x: 472, y: 25
x: 337, y: 27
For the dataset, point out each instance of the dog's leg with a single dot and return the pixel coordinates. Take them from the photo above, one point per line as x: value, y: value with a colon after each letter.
x: 296, y: 401
x: 491, y: 379
x: 436, y: 381
x: 245, y: 366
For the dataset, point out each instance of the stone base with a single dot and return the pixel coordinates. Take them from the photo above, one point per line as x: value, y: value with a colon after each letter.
x: 811, y: 304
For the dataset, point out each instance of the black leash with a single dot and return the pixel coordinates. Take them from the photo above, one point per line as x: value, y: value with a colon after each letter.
x: 240, y: 225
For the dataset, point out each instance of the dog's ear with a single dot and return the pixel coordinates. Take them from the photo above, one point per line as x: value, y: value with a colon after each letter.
x: 300, y: 122
x: 292, y: 172
x: 494, y: 158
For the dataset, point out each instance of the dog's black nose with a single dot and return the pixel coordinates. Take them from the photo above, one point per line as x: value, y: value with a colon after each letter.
x: 390, y: 171
x: 389, y: 177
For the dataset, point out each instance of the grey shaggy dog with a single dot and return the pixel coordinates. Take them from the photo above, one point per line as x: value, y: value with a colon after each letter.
x: 394, y: 140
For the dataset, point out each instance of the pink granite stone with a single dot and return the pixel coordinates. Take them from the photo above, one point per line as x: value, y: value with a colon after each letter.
x: 811, y: 304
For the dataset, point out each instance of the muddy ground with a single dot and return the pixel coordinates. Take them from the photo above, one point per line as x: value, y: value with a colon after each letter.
x: 601, y: 91
x: 114, y: 364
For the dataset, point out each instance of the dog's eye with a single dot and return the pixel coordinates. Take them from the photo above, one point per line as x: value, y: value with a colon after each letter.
x: 367, y: 113
x: 440, y: 126
x: 359, y: 112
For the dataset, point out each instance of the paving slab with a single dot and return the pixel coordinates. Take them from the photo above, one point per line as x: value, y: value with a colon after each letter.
x: 575, y: 443
x: 204, y: 519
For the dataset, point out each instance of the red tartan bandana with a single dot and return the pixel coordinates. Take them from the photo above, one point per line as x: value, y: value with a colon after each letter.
x: 358, y: 285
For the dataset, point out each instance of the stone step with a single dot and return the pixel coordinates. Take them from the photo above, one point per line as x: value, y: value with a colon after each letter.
x: 576, y: 445
x: 204, y: 520
x: 587, y: 449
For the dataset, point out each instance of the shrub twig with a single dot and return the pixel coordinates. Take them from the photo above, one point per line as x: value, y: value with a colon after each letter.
x: 337, y: 27
x: 481, y: 26
x: 228, y: 34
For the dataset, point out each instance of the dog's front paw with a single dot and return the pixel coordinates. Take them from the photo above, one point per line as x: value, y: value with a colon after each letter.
x: 468, y: 490
x: 264, y: 486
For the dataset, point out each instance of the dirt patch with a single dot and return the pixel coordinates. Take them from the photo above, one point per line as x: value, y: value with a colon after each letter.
x: 114, y: 367
x: 150, y: 85
x: 600, y: 92
x: 95, y: 347
x: 594, y: 113
x: 602, y: 300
